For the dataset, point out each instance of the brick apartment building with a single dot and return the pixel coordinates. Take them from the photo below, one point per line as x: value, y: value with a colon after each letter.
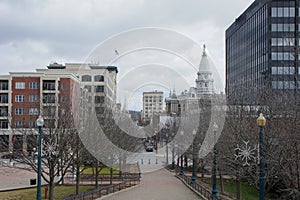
x: 49, y: 92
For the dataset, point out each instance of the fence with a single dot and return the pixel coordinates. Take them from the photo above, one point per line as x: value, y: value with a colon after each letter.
x: 198, y: 188
x: 104, y: 190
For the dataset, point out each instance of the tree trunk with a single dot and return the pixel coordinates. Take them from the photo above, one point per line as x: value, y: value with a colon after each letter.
x: 77, y: 177
x: 97, y: 176
x: 221, y: 181
x: 111, y: 175
x: 120, y: 167
x: 238, y: 189
x: 51, y: 184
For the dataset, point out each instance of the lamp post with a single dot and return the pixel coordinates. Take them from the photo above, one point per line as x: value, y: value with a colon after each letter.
x: 39, y: 123
x: 173, y: 155
x: 214, y: 187
x: 194, y: 159
x: 173, y: 115
x: 10, y: 157
x: 261, y: 121
x: 181, y: 157
x: 167, y: 152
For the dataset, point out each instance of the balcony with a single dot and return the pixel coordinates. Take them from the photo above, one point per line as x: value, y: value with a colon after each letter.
x: 3, y: 98
x: 3, y: 85
x: 3, y: 111
x: 49, y: 98
x: 48, y: 85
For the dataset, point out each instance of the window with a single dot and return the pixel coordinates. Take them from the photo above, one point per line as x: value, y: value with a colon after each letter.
x: 283, y: 70
x: 20, y: 98
x: 49, y: 98
x: 86, y: 78
x: 283, y: 41
x: 19, y: 124
x: 20, y: 85
x: 20, y: 111
x: 33, y: 85
x: 99, y: 78
x: 32, y: 124
x: 282, y: 56
x: 99, y: 110
x: 62, y: 98
x: 49, y: 85
x: 283, y: 27
x: 34, y: 98
x: 4, y: 123
x: 99, y: 99
x: 283, y: 84
x: 33, y: 111
x: 3, y: 98
x: 49, y: 111
x: 3, y: 111
x: 62, y: 86
x: 88, y: 87
x: 283, y: 12
x: 99, y: 88
x: 3, y: 85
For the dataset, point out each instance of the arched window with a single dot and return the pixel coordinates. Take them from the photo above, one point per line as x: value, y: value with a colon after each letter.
x: 86, y: 78
x: 99, y: 78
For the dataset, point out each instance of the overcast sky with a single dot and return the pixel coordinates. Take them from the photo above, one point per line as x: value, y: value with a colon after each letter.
x: 35, y: 33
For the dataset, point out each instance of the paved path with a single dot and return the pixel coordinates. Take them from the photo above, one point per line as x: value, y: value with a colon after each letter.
x: 156, y: 185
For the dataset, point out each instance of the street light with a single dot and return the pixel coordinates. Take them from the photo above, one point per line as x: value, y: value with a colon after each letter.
x: 39, y: 123
x: 214, y: 188
x: 10, y: 157
x: 173, y: 153
x: 261, y: 121
x: 194, y: 159
x: 181, y: 157
x: 167, y: 152
x: 173, y: 115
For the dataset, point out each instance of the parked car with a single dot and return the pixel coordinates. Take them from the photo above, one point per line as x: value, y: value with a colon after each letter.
x: 149, y: 148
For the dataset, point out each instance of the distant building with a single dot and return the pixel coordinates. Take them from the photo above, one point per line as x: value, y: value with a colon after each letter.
x: 51, y: 93
x: 152, y: 105
x: 100, y: 82
x: 262, y: 52
x: 25, y: 96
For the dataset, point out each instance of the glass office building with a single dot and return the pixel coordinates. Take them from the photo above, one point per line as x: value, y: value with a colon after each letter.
x: 262, y: 52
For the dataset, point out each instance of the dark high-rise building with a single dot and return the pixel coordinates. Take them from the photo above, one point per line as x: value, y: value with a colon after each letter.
x: 262, y: 52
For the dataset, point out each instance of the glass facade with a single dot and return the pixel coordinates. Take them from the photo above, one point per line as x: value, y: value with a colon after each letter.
x: 262, y: 50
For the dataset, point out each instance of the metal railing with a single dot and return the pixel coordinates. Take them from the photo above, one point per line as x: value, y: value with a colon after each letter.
x: 198, y: 188
x: 104, y: 190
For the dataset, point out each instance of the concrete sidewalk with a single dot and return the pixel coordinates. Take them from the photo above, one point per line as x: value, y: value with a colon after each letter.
x: 156, y: 185
x: 13, y: 177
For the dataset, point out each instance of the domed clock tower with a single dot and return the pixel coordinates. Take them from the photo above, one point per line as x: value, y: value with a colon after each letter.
x: 204, y: 81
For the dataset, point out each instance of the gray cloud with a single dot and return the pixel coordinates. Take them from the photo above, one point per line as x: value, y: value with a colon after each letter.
x: 35, y: 33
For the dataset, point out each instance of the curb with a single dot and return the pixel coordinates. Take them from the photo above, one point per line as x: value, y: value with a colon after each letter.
x: 120, y: 191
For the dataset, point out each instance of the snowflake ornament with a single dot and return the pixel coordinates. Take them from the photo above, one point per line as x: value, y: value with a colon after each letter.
x: 50, y: 149
x: 245, y: 153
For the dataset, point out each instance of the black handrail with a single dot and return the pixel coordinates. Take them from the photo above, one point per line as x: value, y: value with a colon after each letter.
x: 96, y: 193
x: 199, y: 188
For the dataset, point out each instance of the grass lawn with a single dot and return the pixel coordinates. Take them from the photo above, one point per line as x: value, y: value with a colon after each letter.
x: 104, y: 171
x: 29, y: 194
x: 248, y: 192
